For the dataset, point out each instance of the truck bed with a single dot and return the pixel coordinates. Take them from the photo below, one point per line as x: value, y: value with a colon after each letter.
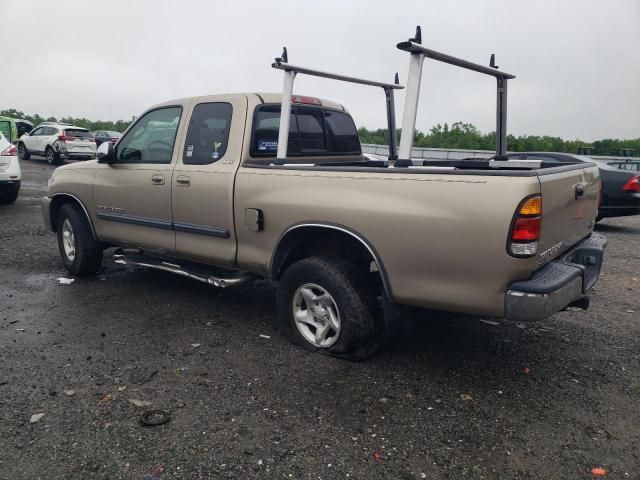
x: 440, y: 229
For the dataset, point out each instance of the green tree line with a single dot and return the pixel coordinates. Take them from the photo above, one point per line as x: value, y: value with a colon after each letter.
x: 117, y: 126
x: 458, y: 135
x: 467, y: 136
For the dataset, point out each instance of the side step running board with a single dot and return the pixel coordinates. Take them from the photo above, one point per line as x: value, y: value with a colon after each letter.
x: 136, y: 257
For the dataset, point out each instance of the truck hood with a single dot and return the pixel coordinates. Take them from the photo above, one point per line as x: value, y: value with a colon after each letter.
x: 88, y: 164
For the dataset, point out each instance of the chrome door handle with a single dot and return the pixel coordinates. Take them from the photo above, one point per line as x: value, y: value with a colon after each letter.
x: 157, y: 179
x: 183, y: 181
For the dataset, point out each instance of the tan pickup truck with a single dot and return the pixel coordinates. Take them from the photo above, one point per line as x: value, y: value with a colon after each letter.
x: 195, y: 187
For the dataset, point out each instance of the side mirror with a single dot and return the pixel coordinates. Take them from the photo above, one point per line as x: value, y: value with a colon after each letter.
x: 106, y: 153
x: 25, y: 134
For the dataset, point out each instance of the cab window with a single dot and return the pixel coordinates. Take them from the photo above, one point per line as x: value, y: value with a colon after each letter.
x: 208, y: 133
x: 152, y: 138
x: 265, y: 132
x: 313, y: 131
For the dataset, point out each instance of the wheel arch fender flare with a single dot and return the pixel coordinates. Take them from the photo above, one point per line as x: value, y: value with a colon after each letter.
x: 58, y: 200
x: 286, y: 243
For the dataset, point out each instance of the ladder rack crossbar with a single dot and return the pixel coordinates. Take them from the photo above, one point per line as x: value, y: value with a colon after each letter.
x: 413, y: 47
x: 416, y: 59
x: 287, y: 67
x: 290, y: 72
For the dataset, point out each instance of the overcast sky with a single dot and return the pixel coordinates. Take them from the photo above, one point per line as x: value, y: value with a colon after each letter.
x: 577, y: 62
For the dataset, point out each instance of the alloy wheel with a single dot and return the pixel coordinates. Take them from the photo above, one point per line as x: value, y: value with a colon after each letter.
x: 316, y: 315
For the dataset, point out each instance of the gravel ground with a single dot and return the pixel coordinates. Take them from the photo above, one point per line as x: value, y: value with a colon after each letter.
x: 458, y: 399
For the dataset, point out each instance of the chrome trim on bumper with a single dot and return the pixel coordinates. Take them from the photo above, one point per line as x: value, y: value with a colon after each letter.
x: 531, y: 307
x: 564, y: 281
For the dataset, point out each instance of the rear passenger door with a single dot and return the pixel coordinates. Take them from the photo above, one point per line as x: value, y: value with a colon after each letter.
x: 203, y: 181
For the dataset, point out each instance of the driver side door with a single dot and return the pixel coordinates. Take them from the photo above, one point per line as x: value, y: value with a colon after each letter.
x: 132, y: 195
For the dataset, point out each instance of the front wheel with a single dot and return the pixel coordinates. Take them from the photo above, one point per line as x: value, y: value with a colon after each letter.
x: 81, y: 253
x: 325, y: 304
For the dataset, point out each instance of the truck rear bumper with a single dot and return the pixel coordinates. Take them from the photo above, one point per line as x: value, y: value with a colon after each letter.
x: 559, y: 283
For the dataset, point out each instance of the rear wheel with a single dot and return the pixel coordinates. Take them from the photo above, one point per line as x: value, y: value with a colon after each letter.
x: 9, y: 196
x: 81, y: 253
x: 23, y: 153
x: 53, y: 157
x: 326, y: 305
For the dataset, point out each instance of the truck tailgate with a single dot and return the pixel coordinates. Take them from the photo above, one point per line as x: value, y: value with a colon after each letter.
x: 569, y: 207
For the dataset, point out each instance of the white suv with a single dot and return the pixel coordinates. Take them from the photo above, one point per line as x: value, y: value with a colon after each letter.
x: 9, y: 172
x: 57, y: 142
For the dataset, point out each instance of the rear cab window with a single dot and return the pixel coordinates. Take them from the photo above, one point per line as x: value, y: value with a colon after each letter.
x: 313, y: 131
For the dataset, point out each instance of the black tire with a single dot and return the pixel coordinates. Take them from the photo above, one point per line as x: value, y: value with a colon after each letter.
x: 88, y: 251
x: 9, y: 196
x: 53, y: 157
x: 361, y: 325
x: 23, y: 153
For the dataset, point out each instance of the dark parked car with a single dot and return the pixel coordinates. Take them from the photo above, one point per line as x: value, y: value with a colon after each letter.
x: 628, y: 165
x: 620, y: 195
x: 106, y: 136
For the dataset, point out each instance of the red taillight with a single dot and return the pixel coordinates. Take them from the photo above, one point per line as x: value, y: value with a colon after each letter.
x: 525, y: 230
x: 632, y: 185
x: 10, y: 151
x: 306, y: 100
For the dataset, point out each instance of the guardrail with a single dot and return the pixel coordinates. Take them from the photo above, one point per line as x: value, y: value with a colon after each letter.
x: 459, y: 154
